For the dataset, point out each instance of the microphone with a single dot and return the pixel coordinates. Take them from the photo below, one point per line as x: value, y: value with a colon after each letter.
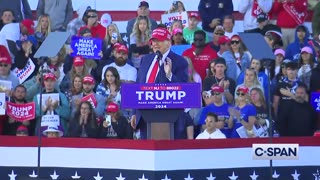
x: 159, y: 55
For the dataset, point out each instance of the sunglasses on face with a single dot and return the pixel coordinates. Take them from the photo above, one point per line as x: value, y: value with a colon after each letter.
x: 220, y: 34
x: 216, y: 94
x: 235, y: 42
x: 92, y: 16
x: 3, y: 65
x: 240, y: 94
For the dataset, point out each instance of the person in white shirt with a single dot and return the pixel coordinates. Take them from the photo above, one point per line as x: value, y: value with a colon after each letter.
x: 127, y: 72
x: 211, y: 132
x: 228, y: 24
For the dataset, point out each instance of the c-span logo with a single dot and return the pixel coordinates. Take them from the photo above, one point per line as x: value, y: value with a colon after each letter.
x: 275, y: 151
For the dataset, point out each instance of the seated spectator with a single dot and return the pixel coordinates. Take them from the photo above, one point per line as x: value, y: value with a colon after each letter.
x: 11, y: 125
x: 75, y: 89
x: 52, y: 132
x: 78, y: 68
x: 245, y: 115
x: 90, y: 18
x: 188, y: 31
x: 211, y: 132
x: 221, y: 109
x: 236, y: 59
x: 62, y: 109
x: 44, y: 25
x: 20, y: 8
x: 250, y: 81
x: 200, y: 53
x: 109, y: 88
x: 224, y: 43
x: 88, y: 86
x: 177, y: 37
x: 218, y: 32
x: 274, y: 39
x: 22, y: 131
x: 301, y: 40
x: 280, y: 54
x: 6, y: 17
x: 55, y: 64
x: 60, y: 13
x: 306, y: 64
x: 75, y: 24
x: 228, y: 25
x: 114, y: 125
x: 5, y: 66
x: 127, y: 72
x: 84, y: 122
x: 139, y: 40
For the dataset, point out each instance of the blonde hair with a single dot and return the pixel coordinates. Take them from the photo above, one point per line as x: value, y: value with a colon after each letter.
x: 255, y: 81
x: 108, y: 37
x: 39, y: 28
x: 136, y: 31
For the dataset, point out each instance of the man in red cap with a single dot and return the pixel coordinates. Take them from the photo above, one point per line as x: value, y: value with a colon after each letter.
x: 127, y: 72
x: 162, y: 66
x: 5, y: 65
x: 188, y: 32
x: 224, y: 43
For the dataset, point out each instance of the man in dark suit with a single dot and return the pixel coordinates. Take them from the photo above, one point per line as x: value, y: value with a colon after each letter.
x: 162, y: 66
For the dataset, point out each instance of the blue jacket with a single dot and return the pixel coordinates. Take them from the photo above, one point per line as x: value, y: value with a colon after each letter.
x: 293, y: 49
x: 232, y: 64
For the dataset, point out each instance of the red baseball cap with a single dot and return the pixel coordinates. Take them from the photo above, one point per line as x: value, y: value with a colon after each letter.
x: 122, y: 48
x: 217, y: 88
x: 49, y: 76
x: 4, y: 55
x: 116, y: 45
x: 176, y: 31
x: 243, y: 89
x: 29, y: 24
x: 78, y: 61
x: 161, y: 34
x: 88, y: 79
x: 223, y: 40
x: 194, y: 14
x: 112, y: 107
x: 22, y: 128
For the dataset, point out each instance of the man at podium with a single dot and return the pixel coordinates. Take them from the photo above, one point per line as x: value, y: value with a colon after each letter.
x: 161, y: 66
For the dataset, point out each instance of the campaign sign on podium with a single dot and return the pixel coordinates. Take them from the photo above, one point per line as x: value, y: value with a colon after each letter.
x: 161, y: 96
x: 315, y: 100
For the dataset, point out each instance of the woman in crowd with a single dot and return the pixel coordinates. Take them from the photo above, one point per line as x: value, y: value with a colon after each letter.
x: 245, y: 114
x: 55, y: 64
x: 279, y: 77
x: 44, y: 25
x: 306, y: 64
x: 237, y: 60
x: 112, y: 35
x: 280, y: 54
x: 75, y: 89
x: 273, y: 39
x: 259, y: 102
x: 84, y: 123
x: 176, y: 24
x: 250, y: 81
x: 139, y: 39
x: 211, y: 69
x: 110, y: 86
x: 177, y: 37
x: 176, y: 7
x: 114, y: 125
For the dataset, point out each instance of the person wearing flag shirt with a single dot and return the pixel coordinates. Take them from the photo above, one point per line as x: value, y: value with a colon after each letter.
x: 171, y: 68
x: 88, y: 86
x: 290, y: 14
x: 221, y: 109
x: 200, y: 53
x: 251, y: 10
x: 220, y: 78
x: 245, y: 114
x: 62, y: 110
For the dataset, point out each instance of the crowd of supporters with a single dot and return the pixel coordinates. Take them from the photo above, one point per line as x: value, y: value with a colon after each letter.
x: 237, y: 93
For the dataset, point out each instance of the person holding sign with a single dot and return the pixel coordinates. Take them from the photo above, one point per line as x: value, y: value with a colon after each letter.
x: 162, y: 66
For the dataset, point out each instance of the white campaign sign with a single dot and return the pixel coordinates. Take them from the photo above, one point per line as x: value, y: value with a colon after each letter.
x: 23, y: 74
x: 50, y: 120
x: 2, y: 103
x: 167, y: 19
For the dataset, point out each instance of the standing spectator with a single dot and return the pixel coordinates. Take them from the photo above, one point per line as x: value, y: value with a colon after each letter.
x: 177, y: 37
x: 212, y: 13
x: 228, y: 25
x: 90, y: 18
x: 316, y: 20
x: 301, y: 40
x: 306, y: 64
x: 211, y: 132
x: 188, y: 31
x: 75, y: 89
x: 139, y: 40
x: 127, y: 72
x: 75, y: 24
x: 84, y: 123
x: 251, y: 9
x: 60, y: 13
x: 200, y: 53
x: 224, y: 43
x: 299, y: 117
x: 237, y: 60
x: 112, y: 36
x: 218, y: 32
x: 109, y: 88
x: 291, y: 13
x: 44, y: 25
x: 177, y: 6
x: 7, y: 17
x: 143, y: 10
x: 118, y: 126
x: 5, y: 66
x: 20, y: 8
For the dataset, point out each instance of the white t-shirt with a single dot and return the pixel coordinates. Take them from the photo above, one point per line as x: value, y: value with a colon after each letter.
x: 11, y: 31
x: 217, y: 134
x: 126, y: 72
x: 229, y: 35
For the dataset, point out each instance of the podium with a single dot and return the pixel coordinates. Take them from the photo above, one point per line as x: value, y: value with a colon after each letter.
x: 160, y: 105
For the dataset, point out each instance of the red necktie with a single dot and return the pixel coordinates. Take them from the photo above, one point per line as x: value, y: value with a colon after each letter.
x: 153, y: 73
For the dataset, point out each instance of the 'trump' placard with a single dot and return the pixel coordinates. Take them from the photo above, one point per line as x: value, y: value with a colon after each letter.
x: 86, y: 47
x: 21, y: 112
x: 23, y: 74
x: 315, y: 100
x: 161, y: 96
